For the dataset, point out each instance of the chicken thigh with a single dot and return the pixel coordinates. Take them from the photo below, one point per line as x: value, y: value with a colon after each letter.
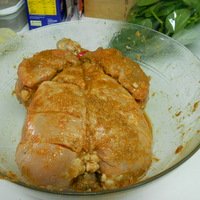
x: 84, y: 129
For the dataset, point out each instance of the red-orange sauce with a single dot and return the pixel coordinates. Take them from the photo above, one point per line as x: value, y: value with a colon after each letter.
x: 179, y: 149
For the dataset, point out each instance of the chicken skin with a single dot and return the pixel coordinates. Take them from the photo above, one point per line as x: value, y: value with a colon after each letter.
x: 41, y: 67
x: 85, y: 129
x: 124, y: 70
x: 117, y: 128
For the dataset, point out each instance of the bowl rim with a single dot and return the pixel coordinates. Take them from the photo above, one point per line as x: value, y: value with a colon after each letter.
x: 103, y: 192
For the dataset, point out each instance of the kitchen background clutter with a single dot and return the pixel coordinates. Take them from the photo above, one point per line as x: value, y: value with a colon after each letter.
x: 112, y: 9
x: 45, y: 12
x: 12, y: 14
x: 15, y: 14
x: 180, y: 21
x: 176, y: 20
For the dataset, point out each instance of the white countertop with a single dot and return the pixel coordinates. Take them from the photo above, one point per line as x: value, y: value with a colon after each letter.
x: 183, y: 183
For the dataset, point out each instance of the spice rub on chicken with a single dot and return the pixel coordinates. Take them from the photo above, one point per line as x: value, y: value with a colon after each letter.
x: 85, y: 128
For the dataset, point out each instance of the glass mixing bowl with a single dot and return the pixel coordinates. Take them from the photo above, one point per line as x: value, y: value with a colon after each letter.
x: 174, y: 99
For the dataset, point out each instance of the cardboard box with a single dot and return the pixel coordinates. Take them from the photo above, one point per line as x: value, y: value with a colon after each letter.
x: 42, y: 13
x: 108, y: 9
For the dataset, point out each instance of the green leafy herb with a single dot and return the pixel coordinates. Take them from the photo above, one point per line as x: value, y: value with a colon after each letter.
x: 177, y: 20
x: 168, y: 17
x: 146, y: 2
x: 193, y: 3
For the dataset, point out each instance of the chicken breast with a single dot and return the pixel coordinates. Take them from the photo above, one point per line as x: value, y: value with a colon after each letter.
x: 54, y: 136
x: 119, y: 132
x: 84, y: 129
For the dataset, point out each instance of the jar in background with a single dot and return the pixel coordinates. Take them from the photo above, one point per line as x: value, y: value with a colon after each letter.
x: 12, y: 14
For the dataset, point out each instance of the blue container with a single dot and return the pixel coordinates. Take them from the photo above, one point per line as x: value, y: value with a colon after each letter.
x: 45, y: 12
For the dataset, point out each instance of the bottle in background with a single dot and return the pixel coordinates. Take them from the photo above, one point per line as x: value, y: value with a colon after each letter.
x: 69, y: 9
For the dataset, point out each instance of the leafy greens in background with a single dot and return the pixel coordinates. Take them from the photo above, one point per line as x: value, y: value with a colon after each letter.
x: 169, y: 17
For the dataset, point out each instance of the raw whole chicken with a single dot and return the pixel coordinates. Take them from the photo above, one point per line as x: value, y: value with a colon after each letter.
x: 85, y: 128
